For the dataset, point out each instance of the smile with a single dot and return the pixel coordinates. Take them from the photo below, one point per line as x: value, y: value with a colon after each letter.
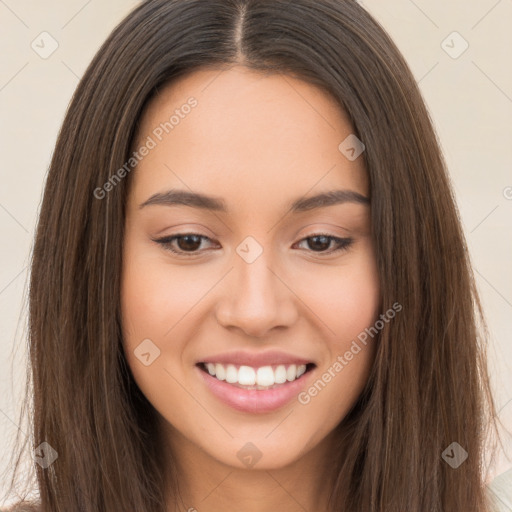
x: 264, y: 377
x: 255, y: 390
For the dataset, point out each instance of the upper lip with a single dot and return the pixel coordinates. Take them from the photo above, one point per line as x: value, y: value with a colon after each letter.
x: 256, y: 359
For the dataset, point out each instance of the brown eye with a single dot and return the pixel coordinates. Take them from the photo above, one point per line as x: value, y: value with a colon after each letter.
x: 185, y: 243
x: 320, y: 243
x: 189, y: 242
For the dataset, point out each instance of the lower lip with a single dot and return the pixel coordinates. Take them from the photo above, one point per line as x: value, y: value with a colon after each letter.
x: 254, y: 400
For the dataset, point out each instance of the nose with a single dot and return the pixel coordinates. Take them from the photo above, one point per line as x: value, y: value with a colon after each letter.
x: 256, y: 298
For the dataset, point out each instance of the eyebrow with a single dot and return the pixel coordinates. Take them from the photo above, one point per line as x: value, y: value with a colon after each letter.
x: 217, y: 204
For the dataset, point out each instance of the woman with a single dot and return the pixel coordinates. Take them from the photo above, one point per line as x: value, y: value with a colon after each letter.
x: 250, y: 289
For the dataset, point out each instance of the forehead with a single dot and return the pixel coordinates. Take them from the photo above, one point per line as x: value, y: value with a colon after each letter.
x: 248, y: 136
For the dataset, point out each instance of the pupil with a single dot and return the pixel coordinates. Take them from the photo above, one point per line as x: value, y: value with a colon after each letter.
x: 189, y: 246
x: 324, y: 244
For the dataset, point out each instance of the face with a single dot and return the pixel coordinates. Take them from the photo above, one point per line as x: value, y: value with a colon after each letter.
x: 240, y: 312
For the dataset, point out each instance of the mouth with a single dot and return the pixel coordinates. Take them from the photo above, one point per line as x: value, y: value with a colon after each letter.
x: 256, y: 390
x: 256, y: 378
x: 262, y: 378
x: 256, y: 382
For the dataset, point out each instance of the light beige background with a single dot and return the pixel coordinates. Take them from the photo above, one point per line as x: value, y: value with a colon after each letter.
x: 469, y: 97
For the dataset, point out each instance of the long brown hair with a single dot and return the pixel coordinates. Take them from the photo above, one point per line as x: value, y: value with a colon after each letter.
x: 429, y: 385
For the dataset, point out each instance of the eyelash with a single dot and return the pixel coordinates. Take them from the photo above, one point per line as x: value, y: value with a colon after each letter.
x: 343, y: 243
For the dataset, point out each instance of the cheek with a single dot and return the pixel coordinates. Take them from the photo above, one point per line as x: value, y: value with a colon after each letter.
x: 344, y: 374
x: 151, y: 306
x: 161, y: 303
x: 357, y: 304
x: 344, y: 299
x: 156, y: 296
x: 143, y: 299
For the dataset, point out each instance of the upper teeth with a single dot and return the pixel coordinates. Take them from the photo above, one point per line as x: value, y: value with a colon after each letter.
x: 263, y: 376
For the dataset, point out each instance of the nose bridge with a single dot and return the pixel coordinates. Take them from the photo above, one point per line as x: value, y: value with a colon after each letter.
x: 255, y: 299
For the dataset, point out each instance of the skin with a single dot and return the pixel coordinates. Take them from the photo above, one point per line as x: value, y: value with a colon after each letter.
x: 257, y: 141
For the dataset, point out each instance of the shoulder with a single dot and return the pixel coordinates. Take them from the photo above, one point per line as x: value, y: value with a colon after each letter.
x: 500, y: 491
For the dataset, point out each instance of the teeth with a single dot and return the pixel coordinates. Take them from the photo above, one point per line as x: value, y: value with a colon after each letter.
x: 220, y: 372
x: 280, y: 374
x: 263, y: 377
x: 291, y: 373
x: 246, y: 376
x: 231, y: 374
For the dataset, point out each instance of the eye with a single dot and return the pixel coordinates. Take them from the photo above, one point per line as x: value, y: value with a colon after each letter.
x: 189, y: 243
x: 320, y: 241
